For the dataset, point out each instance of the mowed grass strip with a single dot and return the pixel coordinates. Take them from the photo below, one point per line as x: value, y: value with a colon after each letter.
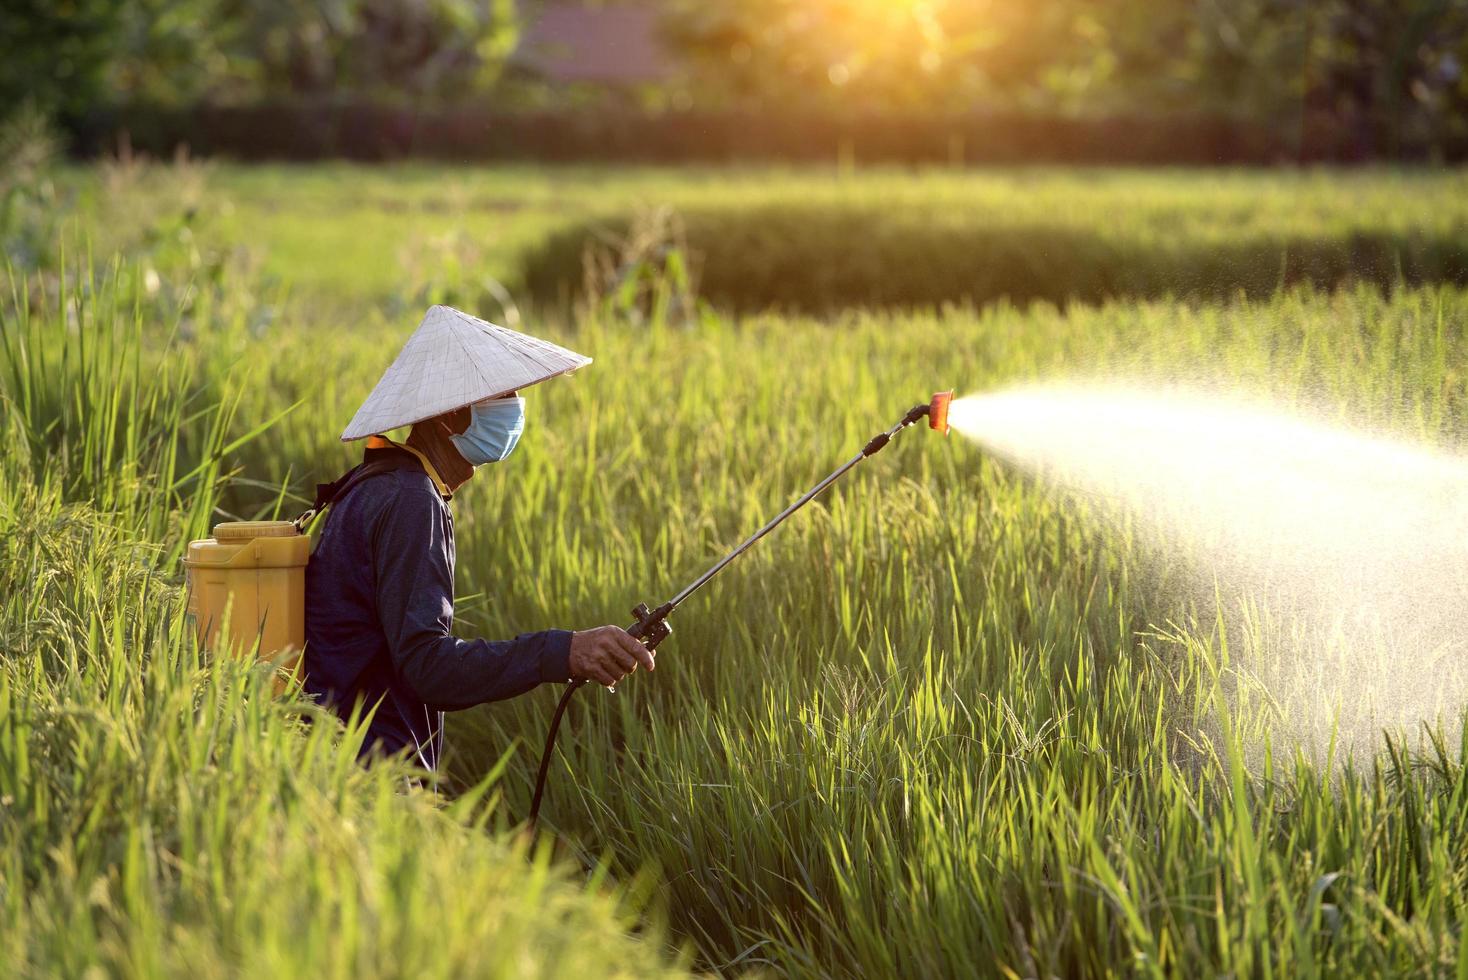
x: 810, y: 239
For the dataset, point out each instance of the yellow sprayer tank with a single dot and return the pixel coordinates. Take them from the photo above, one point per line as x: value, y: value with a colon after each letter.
x: 250, y: 579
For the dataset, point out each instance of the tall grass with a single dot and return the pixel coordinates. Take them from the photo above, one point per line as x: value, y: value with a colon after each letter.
x: 161, y: 814
x: 106, y: 403
x: 947, y: 722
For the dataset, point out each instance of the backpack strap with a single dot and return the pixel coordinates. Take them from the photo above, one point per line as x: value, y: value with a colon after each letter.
x: 329, y: 493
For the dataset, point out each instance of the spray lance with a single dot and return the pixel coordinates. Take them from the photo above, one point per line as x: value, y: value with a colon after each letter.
x: 652, y: 625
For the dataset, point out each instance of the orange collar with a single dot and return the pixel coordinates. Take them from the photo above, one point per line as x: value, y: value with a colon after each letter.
x: 383, y: 442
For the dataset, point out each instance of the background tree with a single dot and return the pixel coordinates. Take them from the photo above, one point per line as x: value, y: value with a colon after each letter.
x: 1388, y: 70
x: 55, y: 56
x: 384, y: 50
x: 66, y: 56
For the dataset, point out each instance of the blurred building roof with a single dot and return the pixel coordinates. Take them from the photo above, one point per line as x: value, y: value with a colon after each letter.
x: 611, y: 44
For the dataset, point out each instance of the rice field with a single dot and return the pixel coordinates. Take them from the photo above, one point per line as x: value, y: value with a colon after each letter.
x: 948, y: 722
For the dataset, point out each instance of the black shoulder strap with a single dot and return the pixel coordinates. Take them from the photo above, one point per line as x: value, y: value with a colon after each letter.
x: 329, y: 493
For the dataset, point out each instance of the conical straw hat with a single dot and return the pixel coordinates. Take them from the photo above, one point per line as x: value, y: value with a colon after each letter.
x: 452, y: 360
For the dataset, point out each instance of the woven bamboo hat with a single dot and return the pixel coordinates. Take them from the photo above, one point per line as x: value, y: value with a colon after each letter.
x: 452, y: 360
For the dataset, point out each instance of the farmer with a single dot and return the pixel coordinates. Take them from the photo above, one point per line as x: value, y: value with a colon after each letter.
x: 380, y: 583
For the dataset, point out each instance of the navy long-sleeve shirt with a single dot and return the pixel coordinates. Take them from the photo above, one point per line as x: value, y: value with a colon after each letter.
x: 380, y: 607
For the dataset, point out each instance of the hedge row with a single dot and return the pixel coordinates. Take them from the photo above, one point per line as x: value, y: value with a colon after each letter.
x: 375, y: 132
x: 821, y: 259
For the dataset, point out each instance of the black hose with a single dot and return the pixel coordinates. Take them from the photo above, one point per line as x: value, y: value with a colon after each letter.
x: 652, y: 627
x: 550, y: 744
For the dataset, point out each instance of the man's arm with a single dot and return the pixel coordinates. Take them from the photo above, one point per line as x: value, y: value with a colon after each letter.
x: 415, y: 589
x: 415, y: 605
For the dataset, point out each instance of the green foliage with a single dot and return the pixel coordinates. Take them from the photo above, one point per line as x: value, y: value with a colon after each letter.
x: 1391, y: 74
x: 1385, y: 68
x: 31, y: 209
x: 1394, y: 71
x: 948, y: 722
x: 801, y: 239
x: 69, y: 57
x: 165, y: 817
x: 57, y: 54
x: 161, y: 814
x: 941, y: 725
x: 388, y: 50
x: 867, y: 51
x: 640, y: 275
x: 823, y: 257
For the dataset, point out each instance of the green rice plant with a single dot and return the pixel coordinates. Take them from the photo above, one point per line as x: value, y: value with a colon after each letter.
x: 161, y: 813
x: 940, y: 724
x: 950, y: 721
x: 128, y: 429
x: 165, y: 816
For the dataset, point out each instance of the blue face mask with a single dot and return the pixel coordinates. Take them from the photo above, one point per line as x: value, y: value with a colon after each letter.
x: 494, y: 428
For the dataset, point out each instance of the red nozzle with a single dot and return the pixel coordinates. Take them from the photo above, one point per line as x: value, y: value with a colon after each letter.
x: 938, y: 411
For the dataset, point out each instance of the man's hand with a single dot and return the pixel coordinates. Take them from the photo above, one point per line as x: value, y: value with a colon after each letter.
x: 606, y: 655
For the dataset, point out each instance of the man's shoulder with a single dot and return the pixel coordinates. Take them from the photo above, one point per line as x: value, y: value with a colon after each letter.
x: 395, y: 488
x: 411, y: 486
